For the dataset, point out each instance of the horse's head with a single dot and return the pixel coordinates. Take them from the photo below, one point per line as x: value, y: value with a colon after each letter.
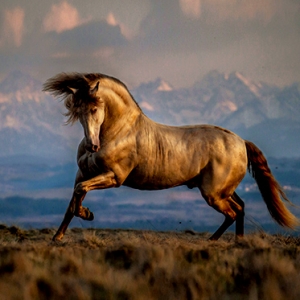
x: 89, y: 110
x: 84, y: 96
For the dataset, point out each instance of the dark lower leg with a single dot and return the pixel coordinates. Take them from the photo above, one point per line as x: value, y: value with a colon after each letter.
x: 66, y: 221
x: 227, y: 222
x: 239, y: 229
x: 239, y: 226
x: 69, y: 216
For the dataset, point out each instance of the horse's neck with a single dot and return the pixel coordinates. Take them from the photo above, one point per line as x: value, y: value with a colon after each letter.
x: 119, y: 113
x: 122, y: 104
x: 119, y: 98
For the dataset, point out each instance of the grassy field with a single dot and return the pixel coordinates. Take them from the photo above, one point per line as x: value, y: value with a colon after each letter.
x: 125, y: 264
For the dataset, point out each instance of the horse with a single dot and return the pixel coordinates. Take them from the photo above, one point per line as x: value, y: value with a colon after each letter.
x: 122, y: 146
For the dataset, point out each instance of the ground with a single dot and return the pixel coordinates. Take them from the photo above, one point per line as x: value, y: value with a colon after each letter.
x: 130, y: 264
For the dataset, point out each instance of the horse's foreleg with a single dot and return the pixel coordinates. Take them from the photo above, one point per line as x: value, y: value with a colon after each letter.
x: 102, y: 181
x: 75, y: 207
x: 70, y: 210
x: 67, y: 218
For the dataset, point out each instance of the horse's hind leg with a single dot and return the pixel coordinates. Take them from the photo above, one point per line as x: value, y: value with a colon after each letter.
x: 239, y: 223
x: 227, y: 223
x: 232, y: 209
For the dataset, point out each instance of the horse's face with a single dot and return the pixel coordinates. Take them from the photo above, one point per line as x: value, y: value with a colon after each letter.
x: 90, y: 113
x: 91, y: 117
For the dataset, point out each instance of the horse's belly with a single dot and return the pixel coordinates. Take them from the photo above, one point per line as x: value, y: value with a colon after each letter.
x: 166, y: 178
x: 151, y: 183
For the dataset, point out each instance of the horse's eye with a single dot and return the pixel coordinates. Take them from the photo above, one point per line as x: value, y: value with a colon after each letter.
x: 93, y: 110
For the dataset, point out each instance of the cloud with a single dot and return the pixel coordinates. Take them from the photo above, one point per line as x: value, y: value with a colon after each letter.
x: 62, y: 17
x: 191, y: 8
x: 88, y: 37
x: 13, y: 27
x: 220, y: 10
x: 177, y: 40
x: 89, y: 47
x: 126, y: 32
x: 233, y: 35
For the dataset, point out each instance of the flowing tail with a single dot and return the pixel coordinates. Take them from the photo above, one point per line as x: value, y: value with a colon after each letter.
x: 270, y: 189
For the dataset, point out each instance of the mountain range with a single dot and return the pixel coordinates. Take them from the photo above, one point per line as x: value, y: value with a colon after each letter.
x: 265, y: 114
x: 32, y: 122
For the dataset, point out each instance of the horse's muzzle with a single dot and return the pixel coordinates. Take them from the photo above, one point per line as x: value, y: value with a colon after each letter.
x: 92, y: 148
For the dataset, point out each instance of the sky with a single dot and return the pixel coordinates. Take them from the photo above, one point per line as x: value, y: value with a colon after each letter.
x: 140, y: 40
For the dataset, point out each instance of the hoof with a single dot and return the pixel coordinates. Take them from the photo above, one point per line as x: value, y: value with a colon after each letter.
x: 239, y: 237
x: 89, y: 215
x: 85, y: 214
x: 57, y: 237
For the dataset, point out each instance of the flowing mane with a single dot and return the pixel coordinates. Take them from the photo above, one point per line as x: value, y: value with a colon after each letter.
x: 64, y: 84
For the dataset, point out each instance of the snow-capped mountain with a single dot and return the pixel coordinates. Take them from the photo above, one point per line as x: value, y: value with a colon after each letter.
x: 32, y: 122
x: 263, y: 113
x: 218, y: 97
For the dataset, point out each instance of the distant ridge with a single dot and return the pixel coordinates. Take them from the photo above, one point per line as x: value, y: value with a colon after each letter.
x: 32, y: 122
x: 264, y: 113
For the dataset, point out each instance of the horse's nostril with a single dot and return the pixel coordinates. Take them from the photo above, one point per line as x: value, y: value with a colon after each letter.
x: 92, y: 147
x: 95, y: 148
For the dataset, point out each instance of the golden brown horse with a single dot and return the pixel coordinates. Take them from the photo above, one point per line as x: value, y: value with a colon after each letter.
x: 122, y: 146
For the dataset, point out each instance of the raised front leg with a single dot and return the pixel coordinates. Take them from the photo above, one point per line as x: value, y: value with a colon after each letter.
x: 75, y: 207
x: 102, y: 181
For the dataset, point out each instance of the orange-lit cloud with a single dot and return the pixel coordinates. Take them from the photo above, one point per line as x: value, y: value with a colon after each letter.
x: 191, y: 8
x: 13, y: 27
x: 126, y: 32
x: 220, y: 10
x: 62, y: 17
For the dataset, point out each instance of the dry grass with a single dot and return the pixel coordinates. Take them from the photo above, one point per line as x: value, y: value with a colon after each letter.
x: 124, y: 264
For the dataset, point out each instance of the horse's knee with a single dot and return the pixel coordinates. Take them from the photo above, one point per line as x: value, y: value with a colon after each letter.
x: 80, y: 188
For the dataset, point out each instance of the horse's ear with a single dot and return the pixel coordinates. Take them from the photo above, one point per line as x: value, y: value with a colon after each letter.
x: 72, y: 90
x: 94, y: 90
